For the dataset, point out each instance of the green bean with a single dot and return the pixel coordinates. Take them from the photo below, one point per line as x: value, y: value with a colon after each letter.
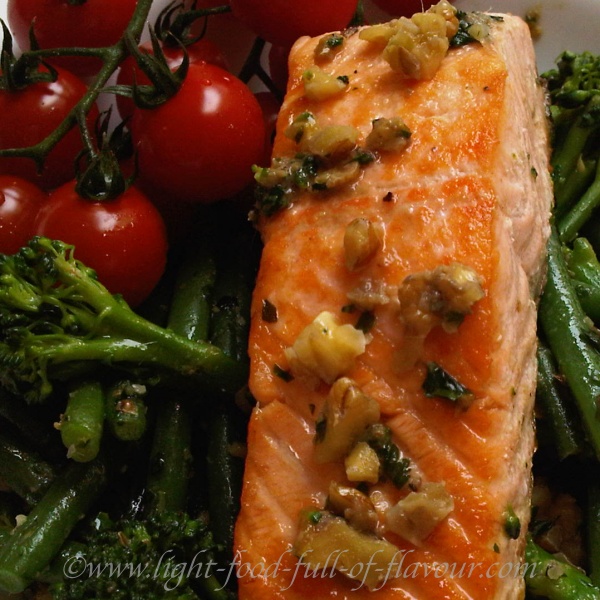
x: 170, y: 457
x: 548, y: 577
x: 570, y: 224
x: 38, y: 539
x: 189, y: 313
x: 225, y: 467
x: 568, y: 153
x: 583, y: 263
x: 574, y: 187
x: 568, y: 332
x: 558, y: 413
x: 82, y: 423
x: 589, y: 298
x: 126, y: 410
x: 23, y: 469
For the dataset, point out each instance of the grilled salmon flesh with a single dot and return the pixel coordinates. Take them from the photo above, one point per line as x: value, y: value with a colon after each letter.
x: 404, y: 219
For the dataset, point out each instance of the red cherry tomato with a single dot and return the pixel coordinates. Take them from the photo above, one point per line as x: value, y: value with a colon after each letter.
x: 200, y: 145
x: 20, y: 201
x: 202, y: 50
x: 123, y: 240
x: 403, y: 8
x: 32, y: 113
x: 60, y: 23
x: 282, y: 22
x: 233, y: 36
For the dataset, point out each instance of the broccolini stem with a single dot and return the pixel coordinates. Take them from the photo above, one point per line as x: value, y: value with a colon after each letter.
x: 203, y: 362
x: 553, y: 579
x: 25, y: 472
x: 37, y: 540
x: 567, y: 331
x: 557, y: 411
x: 82, y: 423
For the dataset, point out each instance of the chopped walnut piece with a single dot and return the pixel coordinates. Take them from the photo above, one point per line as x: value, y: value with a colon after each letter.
x: 362, y: 241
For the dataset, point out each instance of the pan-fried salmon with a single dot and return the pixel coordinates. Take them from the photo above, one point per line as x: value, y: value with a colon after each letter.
x: 404, y: 290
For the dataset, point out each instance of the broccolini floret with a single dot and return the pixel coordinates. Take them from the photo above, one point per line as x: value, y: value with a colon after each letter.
x: 56, y: 317
x: 164, y: 556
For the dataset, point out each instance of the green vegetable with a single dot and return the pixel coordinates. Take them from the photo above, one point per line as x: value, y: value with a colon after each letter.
x: 38, y: 539
x: 126, y: 410
x: 55, y: 316
x: 82, y: 423
x: 23, y: 469
x: 163, y: 536
x: 170, y: 458
x: 556, y: 407
x: 570, y: 337
x: 553, y: 579
x: 225, y: 471
x: 574, y: 87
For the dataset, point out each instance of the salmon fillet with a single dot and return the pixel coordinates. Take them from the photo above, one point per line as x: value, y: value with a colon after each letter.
x: 470, y: 188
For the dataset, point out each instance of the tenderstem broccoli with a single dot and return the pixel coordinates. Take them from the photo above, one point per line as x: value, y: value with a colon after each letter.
x: 161, y: 550
x: 57, y: 319
x: 552, y: 578
x: 574, y: 88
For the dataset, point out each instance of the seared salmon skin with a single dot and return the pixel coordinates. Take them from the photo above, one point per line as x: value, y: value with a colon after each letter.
x: 393, y: 339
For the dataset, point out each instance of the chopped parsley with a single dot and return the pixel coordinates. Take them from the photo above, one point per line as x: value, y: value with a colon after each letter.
x: 395, y: 467
x: 440, y: 384
x: 512, y: 524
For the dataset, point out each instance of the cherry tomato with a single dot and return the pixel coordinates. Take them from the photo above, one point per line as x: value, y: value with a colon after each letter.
x: 238, y: 36
x: 202, y: 50
x: 63, y: 23
x: 20, y: 201
x: 32, y: 113
x: 282, y: 22
x: 123, y: 240
x: 200, y: 145
x: 403, y: 8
